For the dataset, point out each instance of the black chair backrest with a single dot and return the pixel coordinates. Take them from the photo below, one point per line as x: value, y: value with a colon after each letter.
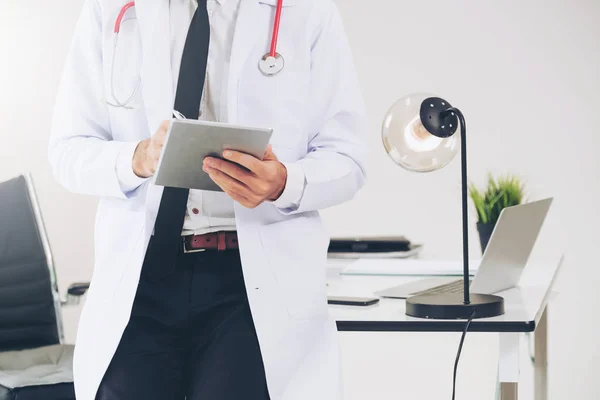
x: 28, y: 296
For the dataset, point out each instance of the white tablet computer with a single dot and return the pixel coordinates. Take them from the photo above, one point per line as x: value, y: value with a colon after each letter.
x: 189, y: 142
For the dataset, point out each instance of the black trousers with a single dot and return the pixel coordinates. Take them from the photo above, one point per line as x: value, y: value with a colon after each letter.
x: 190, y: 336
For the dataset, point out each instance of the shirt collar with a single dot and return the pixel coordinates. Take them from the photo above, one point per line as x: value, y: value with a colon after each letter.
x: 218, y: 1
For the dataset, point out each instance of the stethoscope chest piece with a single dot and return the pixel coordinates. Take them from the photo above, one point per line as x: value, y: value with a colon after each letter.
x: 270, y: 65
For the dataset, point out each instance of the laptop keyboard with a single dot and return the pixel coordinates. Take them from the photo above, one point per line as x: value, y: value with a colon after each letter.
x: 451, y: 287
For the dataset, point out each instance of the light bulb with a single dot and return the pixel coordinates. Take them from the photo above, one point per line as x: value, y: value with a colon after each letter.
x: 409, y: 143
x: 418, y: 137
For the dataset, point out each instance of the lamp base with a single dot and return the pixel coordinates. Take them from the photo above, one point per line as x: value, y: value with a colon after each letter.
x: 452, y: 306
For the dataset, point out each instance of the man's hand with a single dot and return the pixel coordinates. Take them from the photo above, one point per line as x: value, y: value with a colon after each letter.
x: 147, y: 153
x: 252, y: 181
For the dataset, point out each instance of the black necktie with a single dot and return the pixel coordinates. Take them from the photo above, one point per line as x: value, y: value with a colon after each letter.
x: 165, y: 244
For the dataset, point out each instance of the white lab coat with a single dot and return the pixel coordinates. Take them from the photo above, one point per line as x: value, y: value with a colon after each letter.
x: 316, y: 110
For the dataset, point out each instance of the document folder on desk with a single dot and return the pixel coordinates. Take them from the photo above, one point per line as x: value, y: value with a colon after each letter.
x: 408, y: 267
x: 372, y: 247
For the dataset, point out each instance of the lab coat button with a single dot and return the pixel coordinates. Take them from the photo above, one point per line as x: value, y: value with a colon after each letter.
x: 196, y: 211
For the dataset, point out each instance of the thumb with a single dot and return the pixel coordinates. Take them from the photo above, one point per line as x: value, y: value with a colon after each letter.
x: 269, y: 155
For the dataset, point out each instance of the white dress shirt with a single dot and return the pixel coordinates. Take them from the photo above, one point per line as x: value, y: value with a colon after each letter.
x: 208, y: 211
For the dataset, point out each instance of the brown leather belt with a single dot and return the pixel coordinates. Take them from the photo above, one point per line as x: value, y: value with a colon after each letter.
x: 220, y: 241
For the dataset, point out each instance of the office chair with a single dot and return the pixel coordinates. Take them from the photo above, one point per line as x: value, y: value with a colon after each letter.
x: 34, y: 362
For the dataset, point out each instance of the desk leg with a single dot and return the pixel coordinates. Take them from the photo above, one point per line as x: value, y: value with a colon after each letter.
x: 509, y: 391
x: 540, y: 365
x: 508, y: 366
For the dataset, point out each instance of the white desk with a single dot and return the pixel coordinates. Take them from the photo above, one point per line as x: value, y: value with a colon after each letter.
x: 525, y: 312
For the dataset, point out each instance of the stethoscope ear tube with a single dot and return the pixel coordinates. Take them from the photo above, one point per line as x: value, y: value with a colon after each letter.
x: 117, y: 103
x: 121, y: 15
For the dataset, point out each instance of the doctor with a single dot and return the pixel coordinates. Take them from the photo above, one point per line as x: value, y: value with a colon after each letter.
x: 209, y: 295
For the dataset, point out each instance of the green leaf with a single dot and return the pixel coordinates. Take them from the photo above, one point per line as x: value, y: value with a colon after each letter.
x: 505, y: 191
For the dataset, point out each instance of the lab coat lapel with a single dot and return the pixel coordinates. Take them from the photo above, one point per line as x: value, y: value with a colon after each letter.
x: 156, y: 81
x: 243, y: 43
x: 156, y: 73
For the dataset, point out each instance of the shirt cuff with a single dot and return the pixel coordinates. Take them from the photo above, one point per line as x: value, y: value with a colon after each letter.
x: 294, y: 187
x: 128, y: 180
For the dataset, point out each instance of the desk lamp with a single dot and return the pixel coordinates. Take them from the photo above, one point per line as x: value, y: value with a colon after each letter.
x: 419, y: 134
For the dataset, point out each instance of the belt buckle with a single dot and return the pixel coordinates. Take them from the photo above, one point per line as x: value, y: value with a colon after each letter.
x: 190, y: 251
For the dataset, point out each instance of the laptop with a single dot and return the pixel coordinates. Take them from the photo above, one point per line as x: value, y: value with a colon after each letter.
x: 502, y: 263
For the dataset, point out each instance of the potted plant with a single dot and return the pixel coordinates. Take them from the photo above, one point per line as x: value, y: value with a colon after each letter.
x: 500, y: 193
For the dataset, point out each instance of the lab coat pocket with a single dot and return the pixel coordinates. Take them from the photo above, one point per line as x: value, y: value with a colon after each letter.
x: 296, y: 250
x: 276, y: 102
x: 117, y: 238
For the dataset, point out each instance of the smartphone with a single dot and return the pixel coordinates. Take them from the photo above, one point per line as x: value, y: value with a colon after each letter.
x: 352, y: 301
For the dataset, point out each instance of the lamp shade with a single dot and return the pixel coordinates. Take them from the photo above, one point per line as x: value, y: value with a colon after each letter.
x: 419, y: 135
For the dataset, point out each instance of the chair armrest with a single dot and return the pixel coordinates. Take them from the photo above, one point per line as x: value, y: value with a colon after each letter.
x: 75, y: 292
x: 78, y: 289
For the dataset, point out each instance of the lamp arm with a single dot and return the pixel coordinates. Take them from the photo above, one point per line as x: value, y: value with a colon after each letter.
x: 465, y: 204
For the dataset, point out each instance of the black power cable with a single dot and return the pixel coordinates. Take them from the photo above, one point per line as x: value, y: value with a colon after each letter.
x: 462, y: 340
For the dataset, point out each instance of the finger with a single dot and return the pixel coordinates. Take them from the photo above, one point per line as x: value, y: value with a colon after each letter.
x: 155, y: 152
x: 161, y: 133
x: 156, y: 149
x: 153, y: 166
x: 269, y: 155
x: 231, y: 192
x: 268, y: 150
x: 159, y: 141
x: 241, y: 195
x: 228, y: 183
x: 163, y: 128
x: 255, y: 185
x: 245, y: 160
x: 154, y: 157
x: 233, y: 170
x: 235, y: 196
x: 240, y: 199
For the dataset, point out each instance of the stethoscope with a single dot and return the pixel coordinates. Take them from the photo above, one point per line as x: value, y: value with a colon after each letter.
x: 116, y: 102
x: 270, y: 64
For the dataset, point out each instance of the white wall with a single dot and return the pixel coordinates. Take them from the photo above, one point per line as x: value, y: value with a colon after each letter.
x: 34, y: 41
x: 525, y: 75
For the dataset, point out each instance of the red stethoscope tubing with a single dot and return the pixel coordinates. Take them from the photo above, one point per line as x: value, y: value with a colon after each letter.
x: 276, y: 24
x: 122, y: 15
x: 273, y: 52
x: 274, y: 39
x: 116, y: 102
